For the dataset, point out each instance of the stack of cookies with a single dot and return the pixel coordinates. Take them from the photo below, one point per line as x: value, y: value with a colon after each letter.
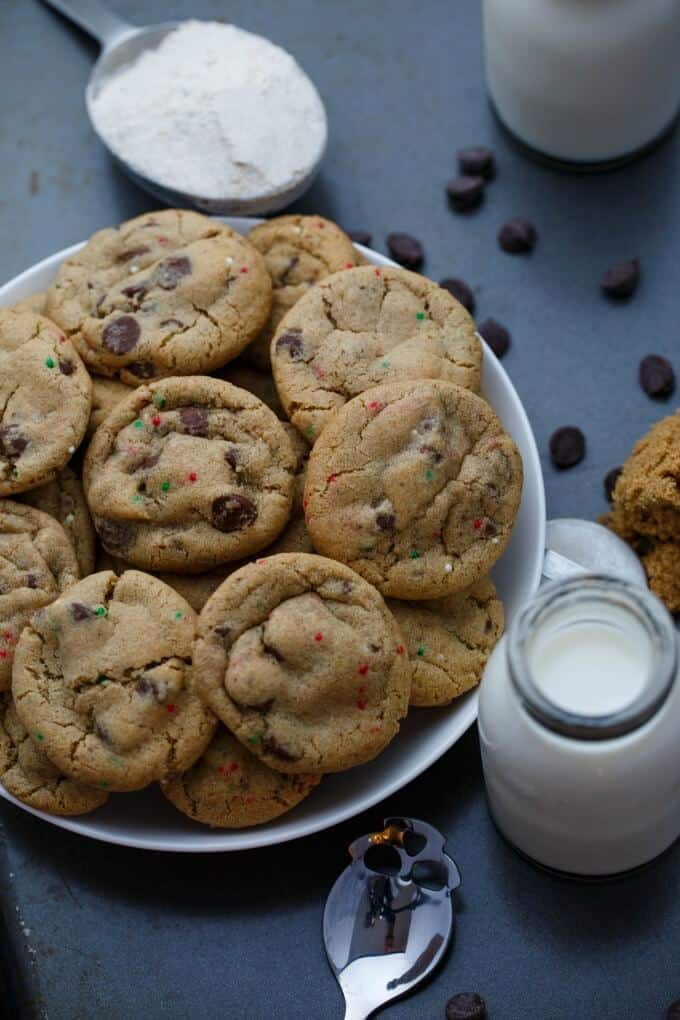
x: 254, y: 498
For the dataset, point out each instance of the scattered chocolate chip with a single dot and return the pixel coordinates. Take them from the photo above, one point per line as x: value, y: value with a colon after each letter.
x: 282, y: 278
x: 496, y: 336
x: 610, y: 480
x: 31, y: 581
x: 157, y: 691
x: 133, y: 253
x: 657, y: 377
x: 272, y: 745
x: 465, y: 192
x: 121, y: 335
x: 135, y: 292
x: 232, y: 457
x: 490, y: 528
x: 142, y: 369
x: 385, y: 522
x: 66, y: 367
x: 116, y: 536
x: 673, y: 1011
x: 488, y: 626
x: 233, y: 512
x: 478, y: 161
x: 293, y: 342
x: 194, y: 420
x: 466, y: 1006
x: 360, y: 237
x: 169, y: 272
x: 406, y: 250
x: 621, y: 281
x: 460, y: 290
x: 12, y: 441
x: 347, y: 587
x: 517, y: 236
x: 79, y: 611
x: 567, y: 446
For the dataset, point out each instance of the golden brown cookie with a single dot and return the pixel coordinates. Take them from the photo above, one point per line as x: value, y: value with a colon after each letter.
x: 449, y: 641
x: 168, y: 293
x: 187, y: 474
x: 647, y: 494
x: 34, y: 303
x: 416, y: 486
x: 364, y: 327
x: 102, y: 680
x: 28, y: 774
x: 106, y: 393
x: 63, y: 498
x: 298, y: 252
x: 304, y: 663
x: 229, y: 788
x: 45, y: 396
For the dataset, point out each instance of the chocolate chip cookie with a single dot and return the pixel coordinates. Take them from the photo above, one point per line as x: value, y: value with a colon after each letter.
x: 63, y: 498
x: 167, y: 293
x: 363, y: 327
x: 37, y: 563
x: 106, y: 393
x: 449, y: 641
x: 101, y: 679
x: 416, y: 486
x: 34, y: 303
x: 229, y: 788
x: 195, y: 588
x: 28, y: 774
x: 304, y: 663
x: 187, y: 474
x: 298, y: 251
x: 45, y: 395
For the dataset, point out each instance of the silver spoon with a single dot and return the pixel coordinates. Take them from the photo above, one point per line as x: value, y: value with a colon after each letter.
x: 389, y: 917
x: 122, y: 43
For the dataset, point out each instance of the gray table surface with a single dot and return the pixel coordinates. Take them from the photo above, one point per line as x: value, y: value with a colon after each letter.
x: 96, y: 931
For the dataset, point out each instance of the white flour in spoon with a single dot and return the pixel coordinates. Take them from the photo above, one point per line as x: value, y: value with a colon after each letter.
x: 214, y: 111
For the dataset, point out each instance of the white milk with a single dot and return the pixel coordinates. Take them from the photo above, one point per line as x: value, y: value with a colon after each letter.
x: 585, y: 81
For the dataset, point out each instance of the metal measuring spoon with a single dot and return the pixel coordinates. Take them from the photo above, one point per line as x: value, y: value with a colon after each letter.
x: 389, y: 917
x: 122, y: 43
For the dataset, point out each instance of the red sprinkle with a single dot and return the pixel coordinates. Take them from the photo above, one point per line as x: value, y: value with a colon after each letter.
x: 374, y: 405
x: 162, y: 240
x: 259, y: 562
x: 220, y: 770
x: 305, y: 503
x: 349, y: 265
x: 493, y: 443
x: 193, y: 477
x: 156, y: 420
x: 9, y: 636
x: 436, y: 534
x: 234, y: 766
x: 243, y: 269
x: 400, y: 649
x: 331, y: 479
x: 378, y: 272
x: 3, y: 653
x: 249, y: 799
x: 361, y: 704
x: 321, y: 225
x: 319, y: 373
x: 170, y: 708
x: 477, y: 524
x: 363, y: 669
x: 318, y: 636
x: 375, y: 729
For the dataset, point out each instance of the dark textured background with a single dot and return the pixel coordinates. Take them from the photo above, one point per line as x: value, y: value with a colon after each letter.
x: 94, y: 931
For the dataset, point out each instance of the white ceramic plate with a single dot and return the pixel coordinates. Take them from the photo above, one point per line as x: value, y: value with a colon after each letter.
x: 147, y: 820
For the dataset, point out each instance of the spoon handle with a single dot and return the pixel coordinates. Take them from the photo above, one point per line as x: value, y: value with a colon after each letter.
x: 95, y: 18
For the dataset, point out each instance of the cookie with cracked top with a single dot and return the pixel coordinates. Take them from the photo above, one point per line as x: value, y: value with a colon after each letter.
x: 37, y: 563
x: 102, y: 680
x: 168, y: 293
x: 45, y: 396
x: 304, y: 663
x: 28, y: 774
x: 416, y: 486
x: 298, y: 252
x: 63, y: 498
x: 449, y: 641
x: 229, y: 788
x: 187, y: 474
x: 364, y: 327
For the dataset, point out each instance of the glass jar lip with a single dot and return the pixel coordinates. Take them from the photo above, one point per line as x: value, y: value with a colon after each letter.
x: 642, y: 604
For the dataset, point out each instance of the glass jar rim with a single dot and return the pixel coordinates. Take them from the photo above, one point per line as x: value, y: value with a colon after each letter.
x: 640, y: 603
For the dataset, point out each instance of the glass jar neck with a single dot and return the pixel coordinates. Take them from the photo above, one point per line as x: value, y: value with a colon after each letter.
x: 618, y: 608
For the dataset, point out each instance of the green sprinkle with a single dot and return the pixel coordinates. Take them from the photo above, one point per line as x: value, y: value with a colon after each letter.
x: 137, y: 499
x: 102, y: 679
x: 367, y: 548
x: 165, y: 486
x: 39, y: 736
x: 414, y: 554
x: 118, y: 762
x: 254, y: 740
x: 138, y: 424
x: 101, y: 611
x: 159, y: 400
x: 420, y: 650
x: 429, y: 475
x: 104, y: 785
x: 420, y: 316
x: 15, y: 473
x: 50, y: 362
x: 179, y: 614
x: 384, y: 364
x: 309, y: 431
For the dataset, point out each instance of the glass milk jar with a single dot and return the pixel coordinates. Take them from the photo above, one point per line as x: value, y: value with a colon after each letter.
x: 579, y: 723
x: 584, y: 81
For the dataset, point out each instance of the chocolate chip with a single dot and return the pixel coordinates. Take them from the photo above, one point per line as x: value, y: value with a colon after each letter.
x: 610, y: 480
x: 360, y: 237
x: 621, y: 281
x: 517, y: 236
x: 150, y: 461
x: 347, y: 587
x: 79, y: 612
x: 31, y: 581
x: 496, y: 336
x: 478, y: 161
x: 142, y: 369
x: 567, y: 446
x: 12, y: 441
x: 272, y: 745
x: 283, y: 276
x: 158, y: 691
x: 293, y: 342
x: 66, y: 367
x: 233, y: 512
x: 232, y: 457
x: 116, y: 536
x: 466, y: 1006
x: 490, y: 528
x: 169, y: 272
x: 194, y: 420
x: 460, y: 290
x: 406, y: 250
x: 143, y: 686
x: 673, y: 1011
x: 465, y: 192
x: 385, y: 522
x: 657, y: 377
x: 135, y: 292
x: 127, y: 256
x: 121, y: 335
